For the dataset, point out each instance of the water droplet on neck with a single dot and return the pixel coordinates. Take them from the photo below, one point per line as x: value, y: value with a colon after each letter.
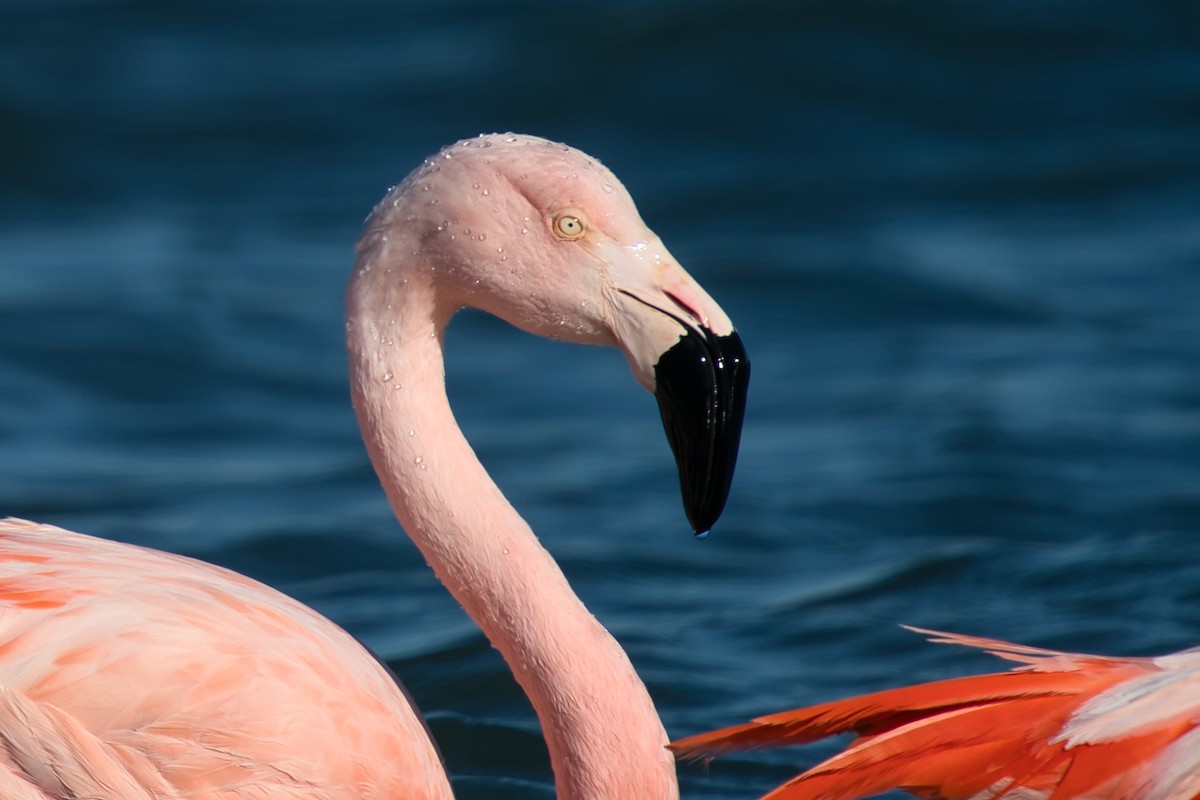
x: 387, y: 376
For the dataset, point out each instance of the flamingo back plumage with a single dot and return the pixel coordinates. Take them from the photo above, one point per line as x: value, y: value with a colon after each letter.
x: 130, y: 673
x: 1059, y: 727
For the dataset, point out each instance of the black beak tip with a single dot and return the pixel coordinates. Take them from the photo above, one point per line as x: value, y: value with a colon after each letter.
x: 701, y: 386
x: 703, y: 514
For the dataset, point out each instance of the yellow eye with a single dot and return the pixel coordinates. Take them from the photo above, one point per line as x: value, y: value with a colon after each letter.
x: 568, y: 226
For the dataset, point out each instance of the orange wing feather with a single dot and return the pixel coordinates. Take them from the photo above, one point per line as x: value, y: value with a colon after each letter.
x: 1017, y: 735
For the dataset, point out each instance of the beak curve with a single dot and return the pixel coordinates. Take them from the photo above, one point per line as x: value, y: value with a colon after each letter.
x: 701, y: 385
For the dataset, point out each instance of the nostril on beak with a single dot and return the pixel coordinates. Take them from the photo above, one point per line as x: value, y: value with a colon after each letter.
x: 692, y: 314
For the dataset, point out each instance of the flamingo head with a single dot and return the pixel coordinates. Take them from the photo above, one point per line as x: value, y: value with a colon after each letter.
x: 546, y: 238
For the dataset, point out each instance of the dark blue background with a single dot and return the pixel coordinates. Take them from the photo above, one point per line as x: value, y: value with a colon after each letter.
x: 961, y: 240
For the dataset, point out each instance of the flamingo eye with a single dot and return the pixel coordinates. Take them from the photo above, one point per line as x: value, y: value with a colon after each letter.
x: 568, y: 226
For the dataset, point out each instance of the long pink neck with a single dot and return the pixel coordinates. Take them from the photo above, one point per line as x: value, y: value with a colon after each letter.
x: 604, y: 735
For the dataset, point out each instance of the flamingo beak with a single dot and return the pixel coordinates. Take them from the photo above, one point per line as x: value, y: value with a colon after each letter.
x: 684, y: 349
x: 701, y: 384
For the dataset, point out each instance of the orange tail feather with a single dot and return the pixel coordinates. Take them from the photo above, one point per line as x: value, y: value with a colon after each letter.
x: 980, y: 736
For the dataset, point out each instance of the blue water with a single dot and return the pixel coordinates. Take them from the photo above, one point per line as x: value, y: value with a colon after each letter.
x: 961, y: 241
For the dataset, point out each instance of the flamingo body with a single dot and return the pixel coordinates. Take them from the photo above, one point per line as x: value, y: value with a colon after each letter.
x: 131, y: 673
x: 1062, y: 726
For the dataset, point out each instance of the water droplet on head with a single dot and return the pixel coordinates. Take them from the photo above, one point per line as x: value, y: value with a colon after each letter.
x: 524, y: 230
x: 607, y: 188
x: 474, y: 185
x: 418, y: 459
x: 387, y: 376
x: 486, y: 192
x: 510, y: 139
x: 482, y: 236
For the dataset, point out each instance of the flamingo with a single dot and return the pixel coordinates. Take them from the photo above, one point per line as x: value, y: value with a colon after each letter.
x: 130, y: 673
x: 1062, y: 726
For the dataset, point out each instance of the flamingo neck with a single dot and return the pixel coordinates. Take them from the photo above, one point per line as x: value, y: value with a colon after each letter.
x: 603, y: 732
